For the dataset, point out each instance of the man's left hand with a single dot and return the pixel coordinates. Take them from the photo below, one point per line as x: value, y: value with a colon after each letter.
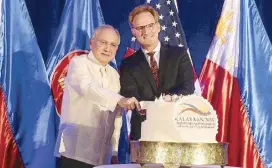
x: 167, y: 98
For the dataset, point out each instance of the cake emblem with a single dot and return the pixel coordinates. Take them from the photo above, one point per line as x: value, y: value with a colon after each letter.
x: 195, y: 113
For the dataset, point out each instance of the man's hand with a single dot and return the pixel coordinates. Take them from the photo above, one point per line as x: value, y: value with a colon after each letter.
x: 129, y: 103
x: 167, y: 98
x: 171, y: 98
x: 114, y: 160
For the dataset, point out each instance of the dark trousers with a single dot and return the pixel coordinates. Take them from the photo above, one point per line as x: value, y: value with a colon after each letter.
x: 71, y: 163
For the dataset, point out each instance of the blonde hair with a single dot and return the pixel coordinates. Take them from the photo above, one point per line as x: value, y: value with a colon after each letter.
x: 140, y: 9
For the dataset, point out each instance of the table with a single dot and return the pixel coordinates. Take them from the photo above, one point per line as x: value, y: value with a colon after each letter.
x: 153, y: 165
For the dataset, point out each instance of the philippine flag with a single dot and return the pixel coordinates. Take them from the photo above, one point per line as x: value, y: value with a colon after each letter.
x: 237, y: 78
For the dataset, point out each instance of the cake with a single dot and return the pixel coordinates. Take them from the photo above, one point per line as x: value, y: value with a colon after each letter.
x: 187, y: 119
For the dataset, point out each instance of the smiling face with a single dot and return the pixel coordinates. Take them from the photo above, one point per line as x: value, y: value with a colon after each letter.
x: 104, y: 45
x: 146, y: 29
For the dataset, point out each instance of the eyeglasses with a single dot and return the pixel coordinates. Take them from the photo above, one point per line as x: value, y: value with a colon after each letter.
x: 105, y: 43
x: 149, y: 26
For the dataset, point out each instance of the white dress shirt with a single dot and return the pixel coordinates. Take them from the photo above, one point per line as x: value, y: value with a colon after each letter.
x: 156, y: 54
x: 89, y: 112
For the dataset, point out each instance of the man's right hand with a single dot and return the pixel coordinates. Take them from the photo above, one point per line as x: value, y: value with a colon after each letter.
x: 129, y: 103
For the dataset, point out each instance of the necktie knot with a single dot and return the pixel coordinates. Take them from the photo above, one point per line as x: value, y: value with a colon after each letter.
x: 151, y: 54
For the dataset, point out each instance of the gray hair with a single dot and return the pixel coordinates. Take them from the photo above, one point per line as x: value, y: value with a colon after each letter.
x: 106, y: 26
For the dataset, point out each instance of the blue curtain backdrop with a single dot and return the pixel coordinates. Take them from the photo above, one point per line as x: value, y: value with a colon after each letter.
x: 45, y: 17
x: 199, y: 19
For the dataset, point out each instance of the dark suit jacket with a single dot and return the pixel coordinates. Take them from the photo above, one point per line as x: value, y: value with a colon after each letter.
x: 175, y: 74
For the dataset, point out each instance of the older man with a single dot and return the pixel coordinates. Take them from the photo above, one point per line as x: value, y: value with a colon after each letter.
x: 91, y: 105
x: 155, y: 68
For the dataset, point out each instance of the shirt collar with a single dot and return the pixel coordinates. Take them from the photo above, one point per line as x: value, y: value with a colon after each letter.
x: 156, y: 49
x: 96, y: 64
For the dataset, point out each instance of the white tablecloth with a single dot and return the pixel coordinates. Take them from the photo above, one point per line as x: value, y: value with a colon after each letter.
x: 152, y: 165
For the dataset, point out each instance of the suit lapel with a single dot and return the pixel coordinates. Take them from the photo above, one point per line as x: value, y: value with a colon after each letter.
x: 162, y: 64
x: 146, y: 69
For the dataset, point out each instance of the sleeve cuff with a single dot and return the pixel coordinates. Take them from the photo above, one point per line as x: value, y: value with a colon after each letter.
x: 113, y: 102
x: 114, y: 153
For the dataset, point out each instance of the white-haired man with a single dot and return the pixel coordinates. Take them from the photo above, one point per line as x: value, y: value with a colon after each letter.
x: 91, y: 106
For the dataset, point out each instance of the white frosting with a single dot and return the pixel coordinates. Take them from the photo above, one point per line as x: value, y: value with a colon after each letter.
x: 187, y: 119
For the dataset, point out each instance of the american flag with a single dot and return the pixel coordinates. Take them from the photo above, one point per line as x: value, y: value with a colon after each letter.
x: 171, y: 29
